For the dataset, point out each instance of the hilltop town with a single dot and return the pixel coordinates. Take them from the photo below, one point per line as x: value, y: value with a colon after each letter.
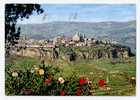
x: 75, y: 47
x: 77, y: 40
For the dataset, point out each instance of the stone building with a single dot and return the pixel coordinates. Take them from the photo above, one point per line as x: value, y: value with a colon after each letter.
x: 77, y: 37
x: 59, y: 40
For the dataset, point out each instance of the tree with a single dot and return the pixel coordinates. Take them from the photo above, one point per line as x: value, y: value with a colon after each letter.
x: 71, y: 54
x: 13, y: 12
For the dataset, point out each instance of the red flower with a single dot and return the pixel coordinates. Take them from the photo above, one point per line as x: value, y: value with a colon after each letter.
x: 79, y: 91
x: 62, y: 93
x: 101, y: 83
x: 82, y: 81
x: 47, y: 81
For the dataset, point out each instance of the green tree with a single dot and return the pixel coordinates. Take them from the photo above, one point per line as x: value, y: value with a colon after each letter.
x: 13, y: 12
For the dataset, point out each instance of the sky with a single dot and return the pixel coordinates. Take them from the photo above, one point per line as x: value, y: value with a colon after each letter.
x: 83, y: 13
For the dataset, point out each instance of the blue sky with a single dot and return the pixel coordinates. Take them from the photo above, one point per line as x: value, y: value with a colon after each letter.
x: 84, y: 13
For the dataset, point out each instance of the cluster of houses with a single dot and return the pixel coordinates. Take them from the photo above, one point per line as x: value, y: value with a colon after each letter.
x: 77, y: 40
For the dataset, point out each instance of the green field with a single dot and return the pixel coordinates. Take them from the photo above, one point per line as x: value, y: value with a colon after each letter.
x: 116, y: 75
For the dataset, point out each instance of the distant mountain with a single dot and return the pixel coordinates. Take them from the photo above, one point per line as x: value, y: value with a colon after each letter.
x: 123, y: 32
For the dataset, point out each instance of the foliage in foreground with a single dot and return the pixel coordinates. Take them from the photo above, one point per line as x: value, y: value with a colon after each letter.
x: 40, y: 80
x: 97, y: 79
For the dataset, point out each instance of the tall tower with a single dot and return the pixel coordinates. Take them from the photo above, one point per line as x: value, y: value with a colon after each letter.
x: 76, y: 37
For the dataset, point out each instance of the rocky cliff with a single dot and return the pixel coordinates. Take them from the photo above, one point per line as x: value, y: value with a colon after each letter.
x: 73, y: 53
x: 95, y: 52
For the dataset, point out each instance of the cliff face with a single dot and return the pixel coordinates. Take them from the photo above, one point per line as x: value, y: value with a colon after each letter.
x: 96, y: 53
x: 74, y: 53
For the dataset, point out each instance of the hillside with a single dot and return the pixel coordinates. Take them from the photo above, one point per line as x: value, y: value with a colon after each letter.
x: 123, y: 32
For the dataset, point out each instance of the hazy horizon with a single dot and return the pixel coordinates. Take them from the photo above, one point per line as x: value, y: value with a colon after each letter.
x: 79, y: 22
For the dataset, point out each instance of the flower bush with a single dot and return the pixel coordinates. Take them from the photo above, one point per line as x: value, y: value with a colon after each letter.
x: 47, y: 81
x: 41, y: 80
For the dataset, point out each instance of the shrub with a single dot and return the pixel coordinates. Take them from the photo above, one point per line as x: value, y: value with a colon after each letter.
x: 41, y: 80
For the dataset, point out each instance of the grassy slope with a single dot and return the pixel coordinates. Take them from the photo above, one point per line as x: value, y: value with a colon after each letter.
x: 95, y: 69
